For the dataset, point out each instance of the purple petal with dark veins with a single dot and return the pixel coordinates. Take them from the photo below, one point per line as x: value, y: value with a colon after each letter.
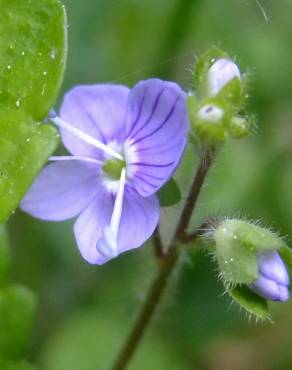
x: 99, y: 111
x: 139, y: 219
x: 62, y: 190
x: 157, y: 126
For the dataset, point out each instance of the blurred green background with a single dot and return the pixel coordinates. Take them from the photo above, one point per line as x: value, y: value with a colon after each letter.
x: 86, y: 311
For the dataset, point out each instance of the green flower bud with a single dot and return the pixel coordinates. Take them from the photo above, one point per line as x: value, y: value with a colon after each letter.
x: 239, y: 127
x: 244, y: 252
x: 220, y: 96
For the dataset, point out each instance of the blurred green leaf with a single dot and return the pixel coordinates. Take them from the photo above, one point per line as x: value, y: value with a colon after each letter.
x: 104, y: 335
x: 251, y: 302
x: 32, y: 54
x: 4, y: 254
x: 33, y: 51
x: 17, y: 311
x: 15, y: 365
x: 169, y: 194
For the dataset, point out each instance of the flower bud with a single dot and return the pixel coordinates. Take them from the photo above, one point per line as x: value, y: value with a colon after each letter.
x: 210, y: 113
x: 220, y: 74
x: 239, y: 127
x: 254, y: 264
x: 273, y: 280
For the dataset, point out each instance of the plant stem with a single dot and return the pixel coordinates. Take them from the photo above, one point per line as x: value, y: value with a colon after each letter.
x: 158, y: 245
x: 167, y: 266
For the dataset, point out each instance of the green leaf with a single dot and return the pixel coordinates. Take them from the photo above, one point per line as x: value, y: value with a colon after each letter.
x: 33, y: 41
x: 23, y: 152
x: 250, y: 302
x: 32, y: 54
x: 17, y: 311
x: 4, y: 255
x: 169, y: 194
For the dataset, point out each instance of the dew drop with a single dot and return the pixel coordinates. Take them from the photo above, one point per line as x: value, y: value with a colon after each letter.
x: 53, y: 53
x: 18, y: 102
x: 9, y: 67
x: 44, y: 89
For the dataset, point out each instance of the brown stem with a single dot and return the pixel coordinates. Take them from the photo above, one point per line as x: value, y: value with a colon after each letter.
x: 158, y: 245
x: 168, y: 263
x: 193, y: 196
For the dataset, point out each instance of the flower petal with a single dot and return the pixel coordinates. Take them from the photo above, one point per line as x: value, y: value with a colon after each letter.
x: 157, y: 126
x: 139, y: 219
x: 62, y: 190
x: 269, y: 289
x: 272, y: 267
x: 97, y: 110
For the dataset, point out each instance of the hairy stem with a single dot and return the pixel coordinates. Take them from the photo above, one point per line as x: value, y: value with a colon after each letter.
x: 167, y: 266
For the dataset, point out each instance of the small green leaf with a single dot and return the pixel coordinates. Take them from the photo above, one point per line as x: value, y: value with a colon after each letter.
x: 33, y: 47
x: 17, y: 311
x: 23, y: 150
x: 251, y: 302
x: 169, y: 194
x: 4, y: 255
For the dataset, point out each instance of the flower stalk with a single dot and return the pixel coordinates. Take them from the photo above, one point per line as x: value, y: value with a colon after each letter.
x: 167, y: 266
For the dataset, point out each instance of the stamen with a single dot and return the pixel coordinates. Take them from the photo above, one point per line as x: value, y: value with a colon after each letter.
x: 74, y: 158
x: 108, y: 245
x: 117, y: 212
x: 85, y: 137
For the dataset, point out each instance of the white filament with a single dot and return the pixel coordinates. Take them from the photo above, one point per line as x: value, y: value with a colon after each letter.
x: 85, y: 137
x: 108, y: 245
x: 74, y: 158
x: 118, y: 206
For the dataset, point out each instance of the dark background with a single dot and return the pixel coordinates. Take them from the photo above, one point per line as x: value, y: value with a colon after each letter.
x: 86, y: 311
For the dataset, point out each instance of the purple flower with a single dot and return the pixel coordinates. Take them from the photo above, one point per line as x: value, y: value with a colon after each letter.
x: 273, y: 281
x: 125, y: 145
